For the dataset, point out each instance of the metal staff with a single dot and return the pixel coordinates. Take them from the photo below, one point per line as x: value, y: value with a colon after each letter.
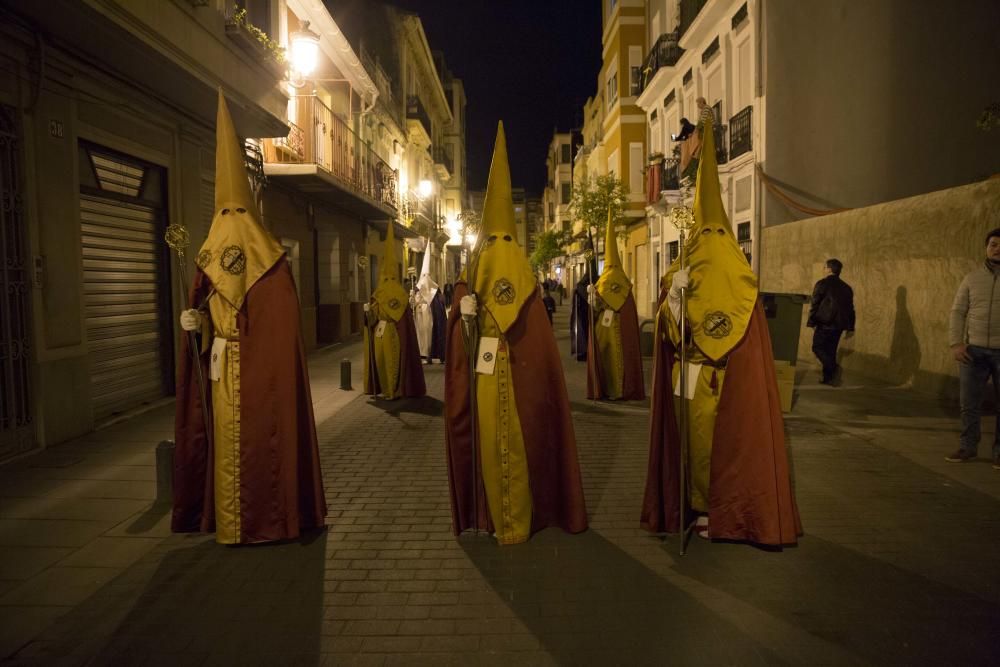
x: 178, y: 239
x: 682, y: 218
x: 470, y: 335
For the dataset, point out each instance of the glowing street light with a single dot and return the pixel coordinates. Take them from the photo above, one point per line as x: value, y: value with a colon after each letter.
x: 305, y: 50
x: 425, y: 189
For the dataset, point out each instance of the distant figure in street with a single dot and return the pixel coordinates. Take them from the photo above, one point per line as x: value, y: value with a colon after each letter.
x: 831, y: 314
x: 579, y: 317
x: 550, y: 305
x: 974, y: 336
x: 449, y: 289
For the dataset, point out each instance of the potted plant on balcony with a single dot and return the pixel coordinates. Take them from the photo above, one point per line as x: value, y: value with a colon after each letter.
x: 255, y: 41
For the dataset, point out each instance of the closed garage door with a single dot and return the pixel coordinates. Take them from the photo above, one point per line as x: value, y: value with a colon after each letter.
x: 126, y: 267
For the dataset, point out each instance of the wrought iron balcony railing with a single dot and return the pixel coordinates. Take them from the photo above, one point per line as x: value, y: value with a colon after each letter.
x: 318, y: 136
x: 415, y: 111
x: 689, y: 12
x: 741, y: 133
x: 665, y: 53
x: 441, y: 157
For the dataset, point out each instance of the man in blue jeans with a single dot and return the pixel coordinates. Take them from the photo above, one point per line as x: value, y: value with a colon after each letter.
x: 974, y: 336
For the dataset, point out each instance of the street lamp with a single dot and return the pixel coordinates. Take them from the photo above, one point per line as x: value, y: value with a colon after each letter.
x: 425, y: 189
x: 305, y: 52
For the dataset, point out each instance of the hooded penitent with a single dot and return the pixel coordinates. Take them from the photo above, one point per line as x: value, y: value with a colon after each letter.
x: 614, y: 364
x: 258, y: 477
x: 526, y: 475
x: 738, y: 461
x: 429, y: 312
x: 392, y: 357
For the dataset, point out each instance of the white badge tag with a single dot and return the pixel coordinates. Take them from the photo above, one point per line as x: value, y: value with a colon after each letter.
x: 218, y: 350
x: 380, y: 328
x: 693, y: 373
x: 607, y: 318
x: 486, y: 361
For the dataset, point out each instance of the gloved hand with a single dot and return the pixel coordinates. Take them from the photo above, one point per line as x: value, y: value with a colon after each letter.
x: 190, y: 320
x: 682, y: 280
x: 413, y: 301
x: 469, y: 305
x: 367, y: 307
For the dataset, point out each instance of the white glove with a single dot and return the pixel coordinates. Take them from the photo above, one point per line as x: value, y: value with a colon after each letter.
x: 682, y: 280
x: 190, y: 320
x: 413, y: 301
x: 367, y: 307
x: 590, y: 290
x: 469, y: 305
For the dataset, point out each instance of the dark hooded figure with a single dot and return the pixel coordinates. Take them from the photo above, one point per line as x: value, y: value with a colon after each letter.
x: 579, y: 331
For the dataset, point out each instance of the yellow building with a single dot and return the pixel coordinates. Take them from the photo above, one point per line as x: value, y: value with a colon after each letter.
x: 614, y: 139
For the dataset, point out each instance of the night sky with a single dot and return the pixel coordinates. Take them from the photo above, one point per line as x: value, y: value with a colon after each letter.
x: 530, y: 63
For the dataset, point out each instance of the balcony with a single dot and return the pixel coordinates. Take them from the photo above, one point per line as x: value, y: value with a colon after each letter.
x: 418, y: 123
x: 665, y: 53
x: 443, y: 163
x: 322, y: 156
x: 741, y: 133
x: 689, y: 12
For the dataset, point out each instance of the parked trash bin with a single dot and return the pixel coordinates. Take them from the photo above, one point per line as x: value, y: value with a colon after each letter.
x: 647, y: 330
x: 784, y: 322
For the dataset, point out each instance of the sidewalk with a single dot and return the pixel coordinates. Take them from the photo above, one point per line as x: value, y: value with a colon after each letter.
x: 894, y: 567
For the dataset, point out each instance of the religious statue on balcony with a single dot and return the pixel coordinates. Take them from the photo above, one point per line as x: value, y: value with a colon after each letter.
x: 429, y: 312
x: 614, y: 365
x: 392, y: 356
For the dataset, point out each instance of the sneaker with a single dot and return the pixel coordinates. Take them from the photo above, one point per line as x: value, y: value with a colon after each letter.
x: 961, y: 456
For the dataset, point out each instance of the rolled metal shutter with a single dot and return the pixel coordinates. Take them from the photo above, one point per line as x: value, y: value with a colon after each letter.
x: 121, y: 283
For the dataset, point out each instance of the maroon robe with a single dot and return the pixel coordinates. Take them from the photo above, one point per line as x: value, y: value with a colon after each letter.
x: 543, y: 410
x: 750, y: 492
x: 281, y: 486
x: 411, y: 371
x: 633, y: 386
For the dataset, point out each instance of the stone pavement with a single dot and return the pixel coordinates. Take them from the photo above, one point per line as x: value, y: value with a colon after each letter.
x: 895, y: 566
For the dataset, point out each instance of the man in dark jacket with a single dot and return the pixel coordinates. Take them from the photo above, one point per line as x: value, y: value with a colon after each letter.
x: 831, y: 313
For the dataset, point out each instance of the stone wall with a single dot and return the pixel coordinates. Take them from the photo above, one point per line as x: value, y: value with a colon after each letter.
x: 904, y: 260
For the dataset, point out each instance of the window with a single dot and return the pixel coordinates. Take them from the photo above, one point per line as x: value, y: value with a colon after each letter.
x: 635, y: 167
x: 258, y: 13
x: 673, y: 248
x: 612, y: 89
x: 565, y: 194
x: 635, y: 70
x: 743, y: 238
x: 566, y: 154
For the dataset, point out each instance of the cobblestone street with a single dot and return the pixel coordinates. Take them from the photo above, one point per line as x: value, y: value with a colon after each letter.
x: 894, y: 568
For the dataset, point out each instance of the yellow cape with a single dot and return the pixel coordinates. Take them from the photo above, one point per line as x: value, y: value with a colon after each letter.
x: 238, y: 250
x: 723, y: 288
x: 613, y: 286
x: 389, y: 293
x: 500, y: 273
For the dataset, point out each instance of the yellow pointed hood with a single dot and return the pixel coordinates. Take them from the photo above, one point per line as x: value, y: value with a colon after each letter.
x: 613, y: 286
x: 389, y: 293
x: 500, y: 273
x: 723, y: 287
x: 238, y: 250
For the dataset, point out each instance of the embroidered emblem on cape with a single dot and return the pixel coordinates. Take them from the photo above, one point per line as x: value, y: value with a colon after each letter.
x: 487, y: 356
x: 503, y: 292
x: 204, y: 259
x: 393, y: 304
x: 233, y: 260
x: 615, y: 287
x: 717, y: 324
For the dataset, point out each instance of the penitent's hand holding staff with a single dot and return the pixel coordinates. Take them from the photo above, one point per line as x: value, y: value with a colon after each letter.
x: 178, y: 239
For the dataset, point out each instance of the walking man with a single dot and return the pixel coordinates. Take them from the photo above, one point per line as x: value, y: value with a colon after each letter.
x: 974, y: 336
x: 831, y: 313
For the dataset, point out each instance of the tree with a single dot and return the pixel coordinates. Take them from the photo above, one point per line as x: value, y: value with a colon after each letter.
x: 548, y: 246
x: 593, y: 197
